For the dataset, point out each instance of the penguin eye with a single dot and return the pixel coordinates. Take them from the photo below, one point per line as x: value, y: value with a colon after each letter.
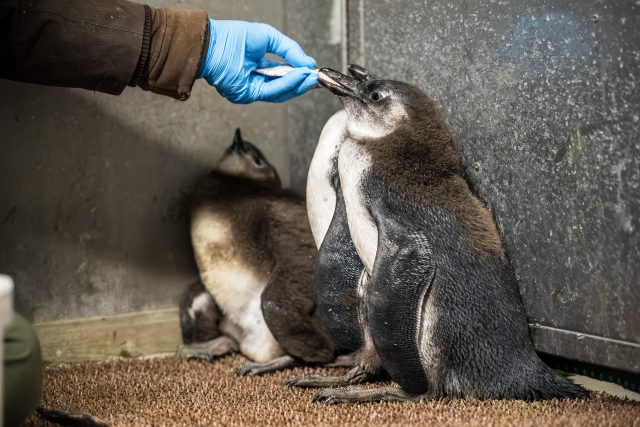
x: 257, y: 161
x: 376, y: 96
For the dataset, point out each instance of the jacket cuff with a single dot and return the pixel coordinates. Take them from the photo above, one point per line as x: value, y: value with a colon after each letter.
x: 177, y: 41
x: 146, y: 47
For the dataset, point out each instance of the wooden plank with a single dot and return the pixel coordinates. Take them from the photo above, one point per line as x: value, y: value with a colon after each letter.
x: 129, y: 335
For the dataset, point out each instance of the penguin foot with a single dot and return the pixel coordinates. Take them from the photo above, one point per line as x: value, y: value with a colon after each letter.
x: 251, y: 369
x: 357, y: 375
x: 334, y: 396
x: 69, y: 419
x: 208, y: 350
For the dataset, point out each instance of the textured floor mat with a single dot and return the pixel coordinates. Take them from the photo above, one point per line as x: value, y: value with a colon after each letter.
x: 173, y: 392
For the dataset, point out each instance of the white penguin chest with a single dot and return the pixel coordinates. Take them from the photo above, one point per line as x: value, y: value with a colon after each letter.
x: 234, y: 284
x: 353, y: 163
x: 225, y: 273
x: 321, y: 197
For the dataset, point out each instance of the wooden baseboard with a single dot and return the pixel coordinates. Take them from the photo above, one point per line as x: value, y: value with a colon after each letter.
x: 100, y: 338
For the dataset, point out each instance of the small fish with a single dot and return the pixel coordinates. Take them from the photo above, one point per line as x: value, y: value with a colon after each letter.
x: 278, y: 70
x: 283, y: 69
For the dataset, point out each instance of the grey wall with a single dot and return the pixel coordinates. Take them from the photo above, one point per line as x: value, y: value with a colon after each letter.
x: 90, y: 185
x: 544, y: 99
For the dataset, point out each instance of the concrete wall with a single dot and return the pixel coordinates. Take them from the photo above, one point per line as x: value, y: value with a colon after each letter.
x: 91, y: 221
x: 544, y: 99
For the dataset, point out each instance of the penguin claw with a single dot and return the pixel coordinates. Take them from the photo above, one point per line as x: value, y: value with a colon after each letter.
x: 291, y: 382
x: 328, y: 396
x: 184, y: 352
x: 356, y: 394
x: 246, y: 370
x: 306, y: 381
x: 181, y: 352
x: 296, y: 381
x: 251, y: 369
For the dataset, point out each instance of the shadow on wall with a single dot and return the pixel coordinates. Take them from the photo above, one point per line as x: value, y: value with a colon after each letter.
x: 92, y: 219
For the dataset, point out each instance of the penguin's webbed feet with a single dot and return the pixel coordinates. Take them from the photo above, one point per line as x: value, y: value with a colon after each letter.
x: 208, y: 350
x: 357, y: 375
x: 334, y: 396
x: 251, y: 369
x: 69, y: 419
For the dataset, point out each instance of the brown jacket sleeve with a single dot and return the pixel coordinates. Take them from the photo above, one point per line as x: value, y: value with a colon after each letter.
x: 101, y: 45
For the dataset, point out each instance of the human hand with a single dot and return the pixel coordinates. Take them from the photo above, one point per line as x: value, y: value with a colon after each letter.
x: 236, y: 48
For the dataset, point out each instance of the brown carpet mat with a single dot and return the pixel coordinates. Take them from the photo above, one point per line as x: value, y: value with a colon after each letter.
x: 172, y: 392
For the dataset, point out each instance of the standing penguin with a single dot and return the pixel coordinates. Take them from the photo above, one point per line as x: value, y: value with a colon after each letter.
x: 440, y: 307
x: 255, y: 254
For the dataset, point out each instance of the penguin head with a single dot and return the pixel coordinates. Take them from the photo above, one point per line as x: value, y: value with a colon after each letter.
x: 374, y: 107
x: 245, y: 160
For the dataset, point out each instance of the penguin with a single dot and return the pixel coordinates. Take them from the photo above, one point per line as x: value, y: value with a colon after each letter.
x: 255, y: 255
x: 441, y: 312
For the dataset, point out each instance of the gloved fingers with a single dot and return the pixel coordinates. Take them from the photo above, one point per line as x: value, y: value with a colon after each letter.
x: 307, y: 84
x: 267, y: 63
x: 270, y: 89
x: 288, y: 49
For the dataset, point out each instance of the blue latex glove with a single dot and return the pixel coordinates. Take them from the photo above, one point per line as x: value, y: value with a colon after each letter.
x: 236, y: 48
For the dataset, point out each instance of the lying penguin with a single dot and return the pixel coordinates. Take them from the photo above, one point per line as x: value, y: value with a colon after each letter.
x: 440, y: 308
x: 255, y: 255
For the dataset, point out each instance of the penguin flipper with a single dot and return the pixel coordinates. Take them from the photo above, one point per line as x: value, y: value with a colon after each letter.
x: 336, y: 275
x: 402, y: 276
x: 289, y: 309
x: 199, y: 315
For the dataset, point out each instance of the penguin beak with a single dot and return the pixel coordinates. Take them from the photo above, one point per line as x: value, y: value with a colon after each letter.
x: 338, y: 83
x: 238, y: 142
